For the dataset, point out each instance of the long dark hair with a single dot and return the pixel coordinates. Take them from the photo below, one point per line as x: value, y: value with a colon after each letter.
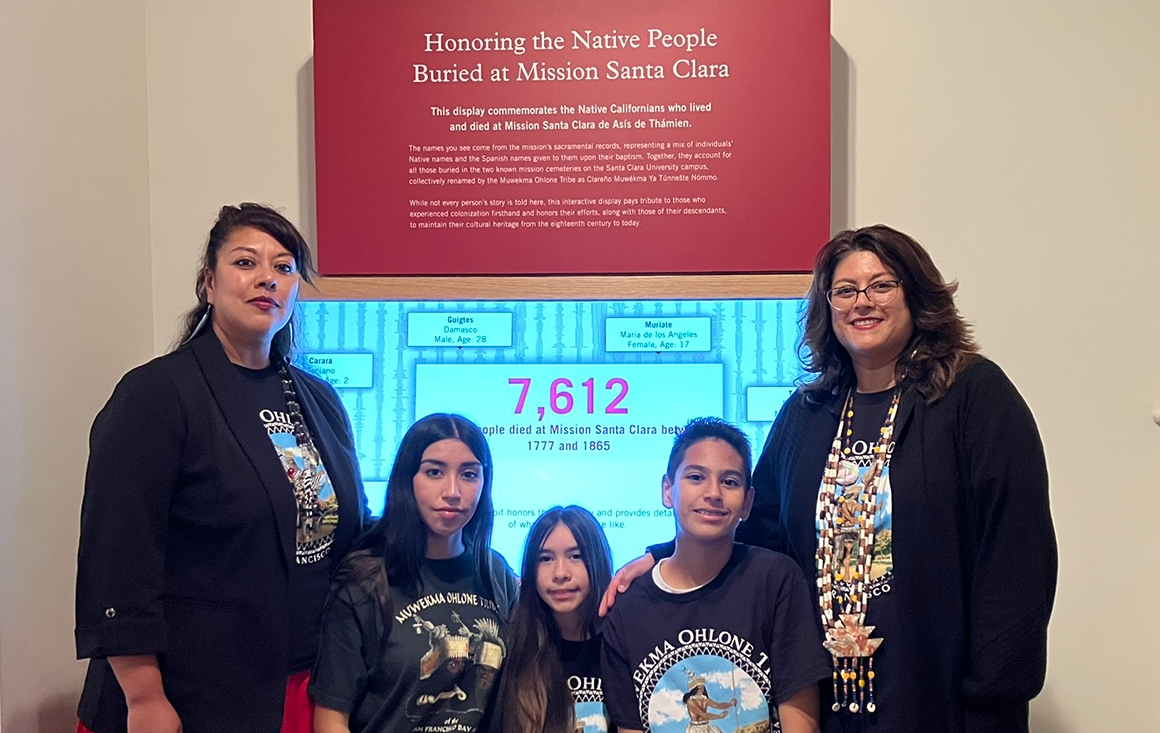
x: 264, y: 219
x: 534, y: 695
x: 397, y: 543
x: 941, y: 345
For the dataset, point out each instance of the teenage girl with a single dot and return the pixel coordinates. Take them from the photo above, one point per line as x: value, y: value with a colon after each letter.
x: 551, y: 682
x: 411, y: 636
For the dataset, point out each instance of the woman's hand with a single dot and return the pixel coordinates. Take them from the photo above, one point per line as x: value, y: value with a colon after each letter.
x: 624, y: 578
x: 149, y: 708
x: 154, y: 715
x: 330, y: 721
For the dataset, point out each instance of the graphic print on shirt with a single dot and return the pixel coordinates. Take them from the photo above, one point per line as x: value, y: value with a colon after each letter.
x: 855, y: 474
x: 317, y: 501
x: 588, y: 696
x: 458, y: 663
x: 591, y: 717
x: 709, y: 682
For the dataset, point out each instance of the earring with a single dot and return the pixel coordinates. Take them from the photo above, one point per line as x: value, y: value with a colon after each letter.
x: 205, y: 319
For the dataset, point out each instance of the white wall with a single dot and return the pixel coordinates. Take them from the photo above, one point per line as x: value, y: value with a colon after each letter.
x: 230, y: 115
x: 1015, y: 139
x: 75, y: 311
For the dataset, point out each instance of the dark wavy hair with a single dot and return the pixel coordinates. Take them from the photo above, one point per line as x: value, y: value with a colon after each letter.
x: 534, y: 695
x: 264, y: 219
x: 941, y: 345
x: 396, y: 544
x: 704, y: 428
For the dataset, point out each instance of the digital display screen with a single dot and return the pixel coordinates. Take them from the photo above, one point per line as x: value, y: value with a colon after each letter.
x: 580, y: 400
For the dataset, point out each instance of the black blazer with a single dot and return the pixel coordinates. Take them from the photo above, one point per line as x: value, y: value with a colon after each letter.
x: 188, y: 535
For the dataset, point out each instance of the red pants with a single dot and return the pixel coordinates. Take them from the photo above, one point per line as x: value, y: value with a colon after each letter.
x: 297, y: 716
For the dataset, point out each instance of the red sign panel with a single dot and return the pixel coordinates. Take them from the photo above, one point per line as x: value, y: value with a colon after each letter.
x: 521, y: 137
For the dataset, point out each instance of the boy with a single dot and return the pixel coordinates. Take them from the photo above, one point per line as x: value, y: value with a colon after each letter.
x: 721, y: 637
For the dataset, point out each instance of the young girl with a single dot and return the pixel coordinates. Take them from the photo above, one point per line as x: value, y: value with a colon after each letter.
x: 551, y: 683
x: 411, y: 635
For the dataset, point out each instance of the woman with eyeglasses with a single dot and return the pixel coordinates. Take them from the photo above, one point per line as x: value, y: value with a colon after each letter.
x: 907, y: 476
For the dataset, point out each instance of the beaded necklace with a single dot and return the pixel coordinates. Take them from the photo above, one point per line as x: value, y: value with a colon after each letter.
x: 306, y: 480
x: 847, y: 638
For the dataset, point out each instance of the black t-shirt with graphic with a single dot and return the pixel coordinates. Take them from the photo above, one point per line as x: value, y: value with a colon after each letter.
x: 308, y: 482
x: 581, y: 662
x: 869, y: 415
x: 444, y: 650
x: 720, y: 657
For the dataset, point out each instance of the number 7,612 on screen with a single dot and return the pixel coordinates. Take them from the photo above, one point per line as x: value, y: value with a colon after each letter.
x: 562, y: 396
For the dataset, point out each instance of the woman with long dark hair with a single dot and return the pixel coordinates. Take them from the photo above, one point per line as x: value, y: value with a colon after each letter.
x: 906, y: 475
x: 551, y: 683
x: 411, y: 635
x: 222, y: 490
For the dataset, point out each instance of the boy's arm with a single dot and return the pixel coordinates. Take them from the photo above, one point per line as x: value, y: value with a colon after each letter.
x: 799, y: 714
x: 624, y: 577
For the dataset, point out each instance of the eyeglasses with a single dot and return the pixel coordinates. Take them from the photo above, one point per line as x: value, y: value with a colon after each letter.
x: 882, y: 292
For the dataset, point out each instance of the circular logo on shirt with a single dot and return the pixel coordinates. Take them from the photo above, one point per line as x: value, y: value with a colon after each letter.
x: 708, y: 693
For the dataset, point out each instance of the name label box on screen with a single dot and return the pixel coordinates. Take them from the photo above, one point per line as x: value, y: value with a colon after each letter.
x: 658, y: 334
x: 459, y: 329
x: 343, y: 371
